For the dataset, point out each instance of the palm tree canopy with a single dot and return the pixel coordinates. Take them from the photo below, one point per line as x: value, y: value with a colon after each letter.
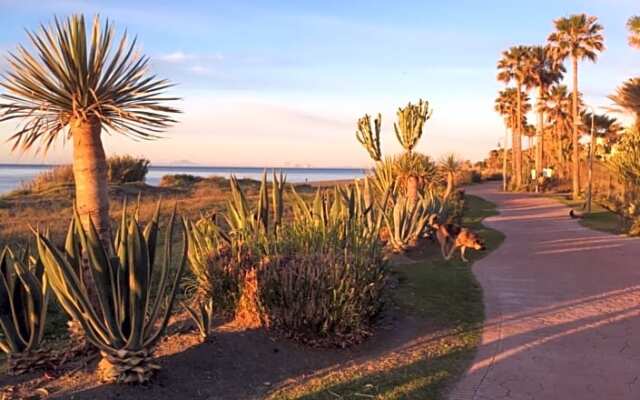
x: 515, y: 66
x: 604, y: 126
x: 506, y: 106
x: 557, y: 107
x: 627, y: 97
x: 545, y: 69
x: 634, y: 31
x: 74, y: 75
x: 578, y: 36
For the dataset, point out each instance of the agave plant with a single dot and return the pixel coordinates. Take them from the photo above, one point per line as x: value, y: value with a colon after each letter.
x: 406, y: 223
x: 134, y: 294
x: 24, y: 296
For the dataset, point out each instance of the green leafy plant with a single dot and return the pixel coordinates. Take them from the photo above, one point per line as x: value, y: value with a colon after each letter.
x: 407, y: 221
x: 411, y: 120
x: 24, y: 296
x: 134, y: 292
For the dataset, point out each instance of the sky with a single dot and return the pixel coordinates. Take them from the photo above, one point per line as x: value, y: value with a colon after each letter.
x: 282, y: 83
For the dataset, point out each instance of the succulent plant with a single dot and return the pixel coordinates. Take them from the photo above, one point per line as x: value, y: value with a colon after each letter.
x: 369, y: 138
x: 406, y: 222
x: 125, y: 307
x: 24, y: 297
x: 411, y: 120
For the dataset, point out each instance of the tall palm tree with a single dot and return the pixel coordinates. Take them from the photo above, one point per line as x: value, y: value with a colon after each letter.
x: 514, y: 66
x: 557, y: 106
x: 578, y: 37
x: 634, y: 31
x: 76, y: 84
x: 627, y: 99
x: 545, y: 71
x: 605, y: 127
x: 506, y: 104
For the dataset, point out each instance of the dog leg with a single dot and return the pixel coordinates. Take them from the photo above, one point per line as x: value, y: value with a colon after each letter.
x: 451, y: 251
x: 462, y: 249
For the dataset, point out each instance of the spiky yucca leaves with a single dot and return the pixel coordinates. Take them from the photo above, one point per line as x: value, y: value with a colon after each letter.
x: 73, y: 76
x: 24, y: 296
x: 221, y: 256
x: 411, y: 120
x: 369, y: 138
x: 129, y: 316
x: 323, y: 284
x: 406, y: 222
x: 385, y: 177
x: 413, y: 172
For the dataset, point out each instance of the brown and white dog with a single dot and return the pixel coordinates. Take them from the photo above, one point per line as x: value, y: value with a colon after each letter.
x: 452, y: 237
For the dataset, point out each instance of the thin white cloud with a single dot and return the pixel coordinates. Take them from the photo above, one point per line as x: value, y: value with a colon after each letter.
x: 175, y: 57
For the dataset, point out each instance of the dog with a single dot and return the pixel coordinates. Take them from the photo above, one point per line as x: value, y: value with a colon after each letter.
x: 452, y: 237
x: 575, y: 215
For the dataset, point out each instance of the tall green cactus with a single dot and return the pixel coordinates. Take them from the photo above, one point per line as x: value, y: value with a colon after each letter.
x: 369, y: 138
x: 24, y: 296
x: 133, y: 296
x: 411, y: 120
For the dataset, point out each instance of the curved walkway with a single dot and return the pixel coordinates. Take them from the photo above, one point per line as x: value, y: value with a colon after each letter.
x: 562, y: 307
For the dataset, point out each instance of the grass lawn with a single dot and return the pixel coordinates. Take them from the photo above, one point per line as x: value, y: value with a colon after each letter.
x: 600, y: 218
x: 442, y: 294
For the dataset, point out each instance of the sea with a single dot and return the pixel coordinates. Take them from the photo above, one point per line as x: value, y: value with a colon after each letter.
x: 12, y: 175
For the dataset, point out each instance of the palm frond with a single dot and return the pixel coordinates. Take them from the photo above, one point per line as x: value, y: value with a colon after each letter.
x: 76, y: 75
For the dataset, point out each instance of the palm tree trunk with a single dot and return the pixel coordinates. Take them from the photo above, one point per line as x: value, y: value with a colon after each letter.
x: 576, y: 159
x: 517, y: 140
x: 540, y: 133
x: 504, y: 160
x: 90, y: 172
x: 560, y: 153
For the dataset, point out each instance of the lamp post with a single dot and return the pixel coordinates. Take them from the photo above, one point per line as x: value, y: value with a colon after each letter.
x: 591, y: 151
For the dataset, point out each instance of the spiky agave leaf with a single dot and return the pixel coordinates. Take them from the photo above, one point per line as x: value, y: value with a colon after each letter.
x: 73, y: 74
x: 132, y: 312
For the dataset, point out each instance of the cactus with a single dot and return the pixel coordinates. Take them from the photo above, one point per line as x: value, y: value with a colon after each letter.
x: 411, y: 120
x: 128, y: 316
x: 24, y: 296
x: 370, y: 139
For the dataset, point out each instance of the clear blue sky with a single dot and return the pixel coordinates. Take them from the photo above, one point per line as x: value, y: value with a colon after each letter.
x: 282, y: 83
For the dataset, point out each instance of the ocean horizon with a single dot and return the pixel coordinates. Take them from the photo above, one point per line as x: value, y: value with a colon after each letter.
x: 14, y: 175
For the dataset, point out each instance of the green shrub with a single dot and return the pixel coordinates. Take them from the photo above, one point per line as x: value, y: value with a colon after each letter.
x: 179, y: 180
x: 122, y: 169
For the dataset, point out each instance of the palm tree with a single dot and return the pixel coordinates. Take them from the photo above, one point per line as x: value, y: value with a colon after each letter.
x: 506, y: 104
x: 579, y: 37
x: 557, y: 108
x: 513, y: 66
x: 627, y: 99
x: 545, y: 71
x: 634, y: 31
x: 605, y: 127
x: 77, y: 86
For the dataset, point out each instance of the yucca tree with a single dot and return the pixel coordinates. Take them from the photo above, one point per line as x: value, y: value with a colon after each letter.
x: 514, y: 66
x: 409, y: 129
x: 545, y: 71
x: 557, y: 109
x: 449, y: 166
x: 627, y: 99
x: 634, y: 31
x: 578, y: 37
x: 77, y: 82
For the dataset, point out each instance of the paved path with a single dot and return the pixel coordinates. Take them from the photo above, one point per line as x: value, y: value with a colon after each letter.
x: 562, y: 308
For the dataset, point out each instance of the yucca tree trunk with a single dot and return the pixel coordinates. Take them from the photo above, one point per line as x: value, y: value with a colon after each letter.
x: 412, y: 189
x: 574, y: 138
x: 449, y: 188
x: 90, y: 172
x: 539, y: 135
x: 517, y: 141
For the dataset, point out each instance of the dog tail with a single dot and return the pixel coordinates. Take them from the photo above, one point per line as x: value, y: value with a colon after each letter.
x: 575, y: 215
x: 433, y: 221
